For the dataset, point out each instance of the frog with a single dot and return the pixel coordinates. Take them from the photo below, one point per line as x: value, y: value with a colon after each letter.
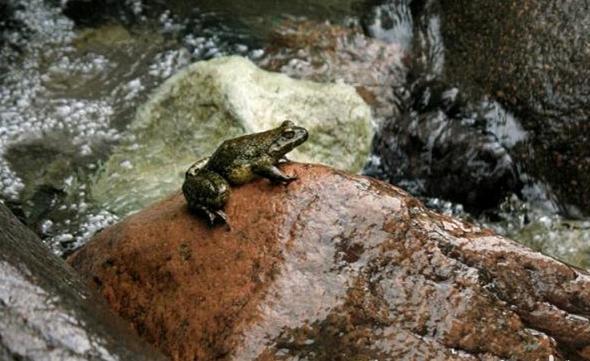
x: 207, y: 183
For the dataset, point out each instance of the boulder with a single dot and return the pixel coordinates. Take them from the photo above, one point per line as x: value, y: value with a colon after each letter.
x: 442, y: 147
x: 533, y: 57
x: 210, y: 101
x: 334, y: 267
x: 48, y: 313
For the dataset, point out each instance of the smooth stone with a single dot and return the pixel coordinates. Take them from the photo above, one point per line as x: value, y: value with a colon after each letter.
x: 334, y: 266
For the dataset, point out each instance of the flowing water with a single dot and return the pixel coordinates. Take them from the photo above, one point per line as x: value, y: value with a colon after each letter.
x: 68, y: 93
x: 70, y: 86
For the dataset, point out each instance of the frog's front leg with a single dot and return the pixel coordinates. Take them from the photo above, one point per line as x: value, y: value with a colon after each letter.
x: 272, y: 172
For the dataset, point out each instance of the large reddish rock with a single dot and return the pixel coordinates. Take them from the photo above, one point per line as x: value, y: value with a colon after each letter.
x: 335, y: 267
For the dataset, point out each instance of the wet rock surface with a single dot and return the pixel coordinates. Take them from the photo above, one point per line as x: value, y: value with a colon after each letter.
x: 48, y: 313
x: 461, y: 143
x: 533, y: 57
x: 335, y: 267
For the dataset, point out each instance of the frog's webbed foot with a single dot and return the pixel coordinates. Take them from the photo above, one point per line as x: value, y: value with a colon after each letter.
x: 223, y: 216
x: 275, y: 174
x: 213, y: 216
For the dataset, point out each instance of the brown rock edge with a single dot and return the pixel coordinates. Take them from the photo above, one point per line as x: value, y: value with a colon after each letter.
x: 335, y: 267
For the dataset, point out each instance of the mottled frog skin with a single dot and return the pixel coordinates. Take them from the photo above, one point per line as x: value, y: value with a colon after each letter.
x: 237, y: 161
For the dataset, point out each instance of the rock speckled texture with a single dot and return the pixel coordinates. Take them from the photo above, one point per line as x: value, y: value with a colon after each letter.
x: 335, y: 267
x: 533, y: 57
x: 46, y: 311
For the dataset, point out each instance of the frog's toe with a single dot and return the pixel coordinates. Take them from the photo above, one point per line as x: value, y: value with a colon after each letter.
x: 210, y: 215
x: 221, y: 215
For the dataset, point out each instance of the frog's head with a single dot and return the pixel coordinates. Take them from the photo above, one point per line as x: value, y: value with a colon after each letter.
x: 287, y: 137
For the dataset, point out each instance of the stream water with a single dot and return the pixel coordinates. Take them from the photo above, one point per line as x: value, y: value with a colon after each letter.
x: 70, y: 84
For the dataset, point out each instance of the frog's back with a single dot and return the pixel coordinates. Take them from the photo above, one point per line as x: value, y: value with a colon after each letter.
x: 234, y: 158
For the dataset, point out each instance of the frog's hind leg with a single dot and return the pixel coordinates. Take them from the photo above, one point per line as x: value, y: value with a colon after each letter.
x: 206, y: 194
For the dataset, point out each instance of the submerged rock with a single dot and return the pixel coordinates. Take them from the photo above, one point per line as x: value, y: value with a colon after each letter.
x: 565, y: 239
x: 533, y: 57
x: 334, y: 267
x: 47, y: 312
x: 198, y: 108
x: 44, y: 165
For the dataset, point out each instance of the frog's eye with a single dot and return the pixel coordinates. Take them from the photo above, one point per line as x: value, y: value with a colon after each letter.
x: 288, y: 133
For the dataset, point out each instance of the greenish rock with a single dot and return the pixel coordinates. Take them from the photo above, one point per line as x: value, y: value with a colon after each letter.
x: 195, y: 110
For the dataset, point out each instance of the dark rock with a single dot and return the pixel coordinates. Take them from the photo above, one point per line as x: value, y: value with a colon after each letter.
x: 335, y: 267
x: 94, y: 12
x: 533, y: 57
x: 47, y: 313
x: 13, y: 32
x: 442, y: 147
